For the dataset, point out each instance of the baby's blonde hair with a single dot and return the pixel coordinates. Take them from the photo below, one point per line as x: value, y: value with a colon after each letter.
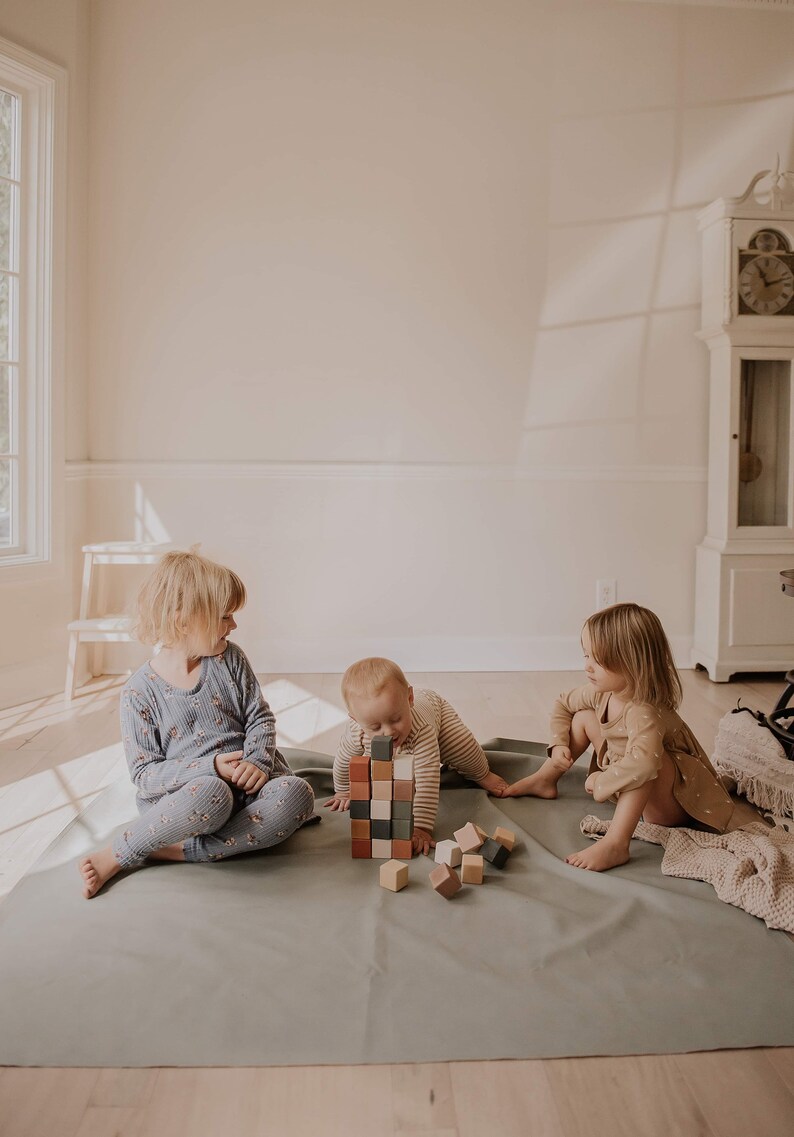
x: 630, y: 640
x: 184, y: 600
x: 369, y: 677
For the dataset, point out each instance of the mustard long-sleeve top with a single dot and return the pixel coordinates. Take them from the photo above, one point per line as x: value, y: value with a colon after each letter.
x: 631, y: 752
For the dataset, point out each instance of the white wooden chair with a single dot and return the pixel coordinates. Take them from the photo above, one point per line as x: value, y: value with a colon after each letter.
x: 104, y: 627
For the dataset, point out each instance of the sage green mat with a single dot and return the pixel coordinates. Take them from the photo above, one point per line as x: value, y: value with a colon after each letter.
x: 297, y: 956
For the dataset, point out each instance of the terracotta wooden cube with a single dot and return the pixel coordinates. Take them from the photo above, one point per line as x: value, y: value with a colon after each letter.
x: 381, y: 850
x: 404, y: 767
x: 393, y: 875
x: 380, y: 810
x: 468, y: 838
x: 359, y: 830
x: 505, y: 837
x: 402, y: 849
x: 445, y: 881
x: 448, y: 853
x: 494, y: 852
x: 359, y: 810
x: 359, y: 791
x: 472, y: 868
x: 382, y: 748
x: 382, y: 791
x: 359, y: 769
x: 403, y: 791
x: 361, y: 849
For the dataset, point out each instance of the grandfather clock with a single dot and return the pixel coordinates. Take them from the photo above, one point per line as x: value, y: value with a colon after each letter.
x: 743, y: 621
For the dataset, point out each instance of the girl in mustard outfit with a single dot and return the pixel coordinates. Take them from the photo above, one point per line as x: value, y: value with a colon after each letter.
x: 645, y: 757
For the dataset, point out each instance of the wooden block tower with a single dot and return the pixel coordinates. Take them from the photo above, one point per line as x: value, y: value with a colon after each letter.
x: 382, y: 802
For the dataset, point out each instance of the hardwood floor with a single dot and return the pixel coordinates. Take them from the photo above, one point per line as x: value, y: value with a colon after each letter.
x: 53, y: 762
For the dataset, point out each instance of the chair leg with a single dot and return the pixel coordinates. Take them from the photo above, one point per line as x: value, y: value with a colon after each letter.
x: 71, y: 664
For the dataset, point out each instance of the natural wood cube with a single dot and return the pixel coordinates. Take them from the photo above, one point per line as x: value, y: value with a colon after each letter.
x: 445, y: 881
x: 480, y: 830
x: 472, y: 868
x: 393, y: 875
x: 505, y: 837
x: 448, y: 853
x: 359, y: 830
x: 403, y: 791
x: 468, y: 838
x: 381, y: 771
x: 382, y: 791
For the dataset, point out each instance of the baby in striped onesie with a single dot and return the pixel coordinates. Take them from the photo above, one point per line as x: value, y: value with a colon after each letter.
x: 380, y: 701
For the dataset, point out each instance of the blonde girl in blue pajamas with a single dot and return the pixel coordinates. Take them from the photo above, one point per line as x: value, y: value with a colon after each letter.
x: 199, y: 738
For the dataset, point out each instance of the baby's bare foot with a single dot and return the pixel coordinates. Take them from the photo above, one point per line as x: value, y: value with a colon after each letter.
x: 599, y: 857
x: 96, y: 870
x: 494, y: 784
x: 536, y: 785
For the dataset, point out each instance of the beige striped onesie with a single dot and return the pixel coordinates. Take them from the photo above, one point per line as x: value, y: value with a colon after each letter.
x: 438, y: 737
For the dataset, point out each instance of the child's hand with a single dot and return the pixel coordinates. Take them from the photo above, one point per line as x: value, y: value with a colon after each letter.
x: 340, y: 801
x: 590, y: 783
x: 248, y: 777
x: 226, y: 764
x: 422, y: 841
x: 561, y: 757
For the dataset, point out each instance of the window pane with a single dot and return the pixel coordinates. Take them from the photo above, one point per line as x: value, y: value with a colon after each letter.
x: 5, y: 316
x: 5, y: 503
x: 7, y: 115
x: 6, y: 206
x: 5, y: 410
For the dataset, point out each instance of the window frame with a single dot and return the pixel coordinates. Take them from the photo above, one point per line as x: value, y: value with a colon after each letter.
x: 41, y: 87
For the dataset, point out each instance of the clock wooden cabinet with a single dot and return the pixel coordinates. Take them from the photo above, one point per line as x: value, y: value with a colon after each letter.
x: 743, y: 620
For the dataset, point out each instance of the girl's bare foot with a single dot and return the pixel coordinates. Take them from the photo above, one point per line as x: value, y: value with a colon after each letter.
x: 539, y: 784
x: 96, y: 870
x: 601, y: 856
x: 494, y: 784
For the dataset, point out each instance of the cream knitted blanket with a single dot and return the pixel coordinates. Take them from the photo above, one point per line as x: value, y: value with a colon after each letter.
x: 750, y: 754
x: 751, y: 868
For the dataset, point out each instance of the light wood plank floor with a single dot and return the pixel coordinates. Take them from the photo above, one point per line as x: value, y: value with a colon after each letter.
x: 53, y: 762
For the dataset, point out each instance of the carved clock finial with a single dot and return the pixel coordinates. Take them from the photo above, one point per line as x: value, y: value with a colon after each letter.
x: 778, y: 194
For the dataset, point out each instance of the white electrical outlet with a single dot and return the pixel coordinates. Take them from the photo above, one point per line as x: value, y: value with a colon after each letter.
x: 606, y: 593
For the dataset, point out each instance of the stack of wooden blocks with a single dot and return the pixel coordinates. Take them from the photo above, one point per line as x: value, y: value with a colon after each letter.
x: 382, y: 802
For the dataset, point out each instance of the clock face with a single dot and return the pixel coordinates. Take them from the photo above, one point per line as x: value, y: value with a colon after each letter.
x: 766, y: 285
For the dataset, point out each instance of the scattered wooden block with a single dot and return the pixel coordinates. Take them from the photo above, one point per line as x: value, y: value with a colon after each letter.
x: 472, y: 868
x: 402, y: 791
x: 480, y: 830
x: 505, y: 837
x: 448, y: 853
x: 494, y: 852
x: 468, y: 838
x: 381, y: 850
x: 361, y: 849
x: 445, y: 881
x: 393, y: 875
x: 381, y: 791
x: 402, y: 849
x: 381, y: 748
x: 359, y: 830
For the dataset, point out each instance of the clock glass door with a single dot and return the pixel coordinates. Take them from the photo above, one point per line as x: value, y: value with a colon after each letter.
x: 764, y: 430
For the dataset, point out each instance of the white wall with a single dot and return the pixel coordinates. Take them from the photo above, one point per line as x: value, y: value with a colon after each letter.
x: 393, y: 306
x: 37, y: 602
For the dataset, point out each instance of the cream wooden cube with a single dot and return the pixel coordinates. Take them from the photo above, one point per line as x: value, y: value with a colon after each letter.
x: 381, y: 850
x: 403, y: 768
x: 471, y: 872
x: 393, y: 875
x: 448, y: 853
x: 380, y: 810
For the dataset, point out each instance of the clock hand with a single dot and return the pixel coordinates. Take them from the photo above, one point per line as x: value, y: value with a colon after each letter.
x: 777, y: 280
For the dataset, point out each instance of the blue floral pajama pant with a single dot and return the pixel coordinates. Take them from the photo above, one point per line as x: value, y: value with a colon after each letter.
x: 215, y: 820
